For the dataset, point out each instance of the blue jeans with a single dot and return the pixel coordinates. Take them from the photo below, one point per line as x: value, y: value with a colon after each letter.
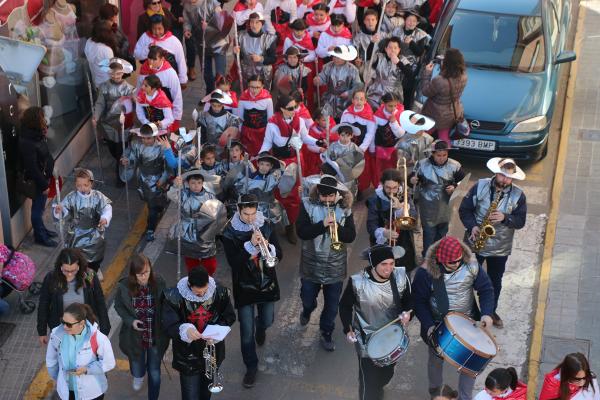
x: 194, y: 387
x: 264, y: 319
x: 495, y: 270
x: 331, y: 293
x: 220, y: 66
x: 149, y: 361
x: 432, y: 234
x: 37, y: 222
x: 4, y: 307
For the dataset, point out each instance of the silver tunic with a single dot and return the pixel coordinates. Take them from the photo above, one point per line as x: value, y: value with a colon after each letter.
x: 459, y: 287
x: 318, y: 262
x: 414, y: 148
x: 82, y: 221
x: 214, y: 126
x: 255, y: 45
x: 389, y: 24
x: 202, y: 217
x: 351, y: 162
x: 362, y: 41
x: 340, y: 79
x: 376, y: 306
x: 285, y: 71
x: 416, y: 35
x: 107, y: 112
x: 216, y: 39
x: 501, y: 244
x: 387, y: 79
x: 149, y: 163
x: 433, y: 201
x: 264, y: 188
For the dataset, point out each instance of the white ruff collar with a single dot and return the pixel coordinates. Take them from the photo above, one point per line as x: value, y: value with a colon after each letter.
x: 241, y: 226
x: 186, y: 292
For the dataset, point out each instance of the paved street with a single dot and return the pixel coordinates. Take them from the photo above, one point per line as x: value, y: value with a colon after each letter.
x: 292, y: 364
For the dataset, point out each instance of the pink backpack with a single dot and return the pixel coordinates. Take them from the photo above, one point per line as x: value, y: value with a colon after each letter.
x: 19, y: 269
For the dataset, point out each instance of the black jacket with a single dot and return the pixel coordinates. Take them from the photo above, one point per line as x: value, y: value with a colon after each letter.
x: 36, y: 159
x: 50, y: 308
x: 251, y: 285
x: 187, y: 357
x: 130, y: 340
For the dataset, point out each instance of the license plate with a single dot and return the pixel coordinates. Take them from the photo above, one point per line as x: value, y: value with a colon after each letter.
x: 475, y: 144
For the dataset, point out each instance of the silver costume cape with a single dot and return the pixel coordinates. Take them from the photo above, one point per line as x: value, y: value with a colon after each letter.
x: 434, y: 207
x: 387, y: 79
x: 285, y: 71
x: 149, y: 163
x: 216, y: 39
x: 414, y: 148
x: 417, y: 35
x: 264, y: 188
x: 202, y: 218
x: 339, y: 79
x: 501, y: 244
x: 375, y: 305
x: 259, y: 46
x: 107, y: 112
x: 213, y: 126
x: 362, y: 41
x: 389, y: 24
x: 459, y: 287
x: 81, y: 222
x: 351, y: 162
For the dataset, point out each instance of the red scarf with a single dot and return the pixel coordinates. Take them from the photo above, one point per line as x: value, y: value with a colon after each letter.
x: 285, y: 129
x: 551, y: 387
x: 239, y: 6
x: 233, y: 96
x: 345, y: 33
x: 303, y: 112
x: 365, y: 113
x: 311, y: 5
x: 305, y: 43
x: 263, y: 94
x: 319, y: 133
x: 164, y: 37
x: 160, y: 100
x: 365, y: 3
x: 381, y: 114
x: 520, y: 393
x: 310, y: 20
x: 147, y: 70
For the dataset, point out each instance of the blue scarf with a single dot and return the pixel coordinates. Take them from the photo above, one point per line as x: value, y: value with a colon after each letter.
x: 70, y: 346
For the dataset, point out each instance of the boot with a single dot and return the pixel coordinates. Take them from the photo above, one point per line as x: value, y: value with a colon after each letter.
x: 192, y: 74
x: 290, y: 233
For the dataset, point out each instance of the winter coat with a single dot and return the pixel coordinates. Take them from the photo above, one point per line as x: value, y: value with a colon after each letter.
x: 93, y: 383
x: 50, y: 308
x: 130, y: 340
x: 36, y: 159
x: 438, y: 105
x: 551, y: 388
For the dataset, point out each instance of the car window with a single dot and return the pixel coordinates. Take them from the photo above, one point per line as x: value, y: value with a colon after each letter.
x: 504, y: 42
x: 553, y: 28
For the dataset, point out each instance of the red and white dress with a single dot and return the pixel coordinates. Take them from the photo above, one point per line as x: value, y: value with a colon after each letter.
x: 520, y: 393
x: 329, y: 38
x: 241, y: 13
x: 311, y: 154
x: 303, y: 10
x: 154, y: 108
x: 345, y: 7
x: 170, y: 82
x: 255, y: 111
x: 386, y: 136
x: 365, y: 121
x: 313, y: 26
x: 168, y: 42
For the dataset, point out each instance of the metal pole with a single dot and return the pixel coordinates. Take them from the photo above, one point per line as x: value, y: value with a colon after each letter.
x: 61, y: 230
x: 204, y: 21
x: 198, y: 134
x: 179, y: 192
x: 4, y: 201
x: 318, y: 86
x: 122, y: 121
x: 369, y: 65
x: 327, y: 132
x: 92, y: 105
x: 237, y: 56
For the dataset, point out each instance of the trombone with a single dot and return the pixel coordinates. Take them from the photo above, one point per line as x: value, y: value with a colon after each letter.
x: 333, y: 230
x: 405, y: 222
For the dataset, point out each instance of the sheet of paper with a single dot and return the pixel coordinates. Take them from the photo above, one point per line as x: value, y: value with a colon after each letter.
x: 216, y: 332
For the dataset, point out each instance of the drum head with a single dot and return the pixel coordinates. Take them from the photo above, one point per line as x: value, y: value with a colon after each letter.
x: 471, y: 335
x: 384, y: 342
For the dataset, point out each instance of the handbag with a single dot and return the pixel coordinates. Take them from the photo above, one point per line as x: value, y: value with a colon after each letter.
x: 461, y: 127
x: 25, y: 186
x: 19, y: 269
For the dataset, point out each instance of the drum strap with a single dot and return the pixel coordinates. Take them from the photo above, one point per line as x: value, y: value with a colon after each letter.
x: 440, y: 295
x: 395, y: 293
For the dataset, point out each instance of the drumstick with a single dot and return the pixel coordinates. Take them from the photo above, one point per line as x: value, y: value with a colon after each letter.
x: 394, y: 320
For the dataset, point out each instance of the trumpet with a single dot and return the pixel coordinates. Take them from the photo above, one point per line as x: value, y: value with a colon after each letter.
x: 333, y: 230
x: 405, y: 222
x: 270, y: 259
x: 211, y: 368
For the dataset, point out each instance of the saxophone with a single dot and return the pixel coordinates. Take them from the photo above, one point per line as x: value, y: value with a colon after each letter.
x: 486, y: 229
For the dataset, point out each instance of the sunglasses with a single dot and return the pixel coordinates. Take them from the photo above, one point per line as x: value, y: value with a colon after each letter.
x: 69, y: 324
x: 290, y: 108
x: 155, y: 3
x: 575, y: 380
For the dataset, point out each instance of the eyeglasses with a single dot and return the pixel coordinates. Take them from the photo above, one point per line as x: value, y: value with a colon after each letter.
x: 155, y: 3
x: 255, y: 87
x: 69, y: 324
x: 290, y: 108
x: 67, y: 272
x: 576, y: 379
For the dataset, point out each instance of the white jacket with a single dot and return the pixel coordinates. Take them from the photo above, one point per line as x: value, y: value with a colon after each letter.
x: 91, y: 385
x: 96, y: 52
x: 168, y: 42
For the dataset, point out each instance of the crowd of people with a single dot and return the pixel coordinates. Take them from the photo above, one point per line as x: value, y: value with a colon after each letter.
x: 314, y: 112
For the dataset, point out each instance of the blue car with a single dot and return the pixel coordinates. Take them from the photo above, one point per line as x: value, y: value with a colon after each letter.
x: 513, y: 50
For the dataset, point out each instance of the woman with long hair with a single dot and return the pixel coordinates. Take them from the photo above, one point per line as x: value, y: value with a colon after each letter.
x: 70, y: 282
x: 141, y: 338
x: 79, y: 355
x: 101, y: 46
x: 503, y: 383
x: 571, y: 380
x: 443, y: 93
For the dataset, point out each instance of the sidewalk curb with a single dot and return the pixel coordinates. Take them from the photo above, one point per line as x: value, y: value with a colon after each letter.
x: 42, y: 384
x: 535, y: 352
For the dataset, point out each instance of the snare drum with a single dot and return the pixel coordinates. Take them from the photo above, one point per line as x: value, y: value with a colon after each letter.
x: 464, y: 344
x: 387, y: 345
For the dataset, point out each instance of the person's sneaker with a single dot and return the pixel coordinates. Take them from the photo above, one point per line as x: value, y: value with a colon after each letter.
x: 137, y: 383
x: 47, y: 242
x: 497, y: 321
x: 149, y: 236
x: 249, y: 379
x: 260, y: 336
x: 327, y: 342
x: 304, y: 319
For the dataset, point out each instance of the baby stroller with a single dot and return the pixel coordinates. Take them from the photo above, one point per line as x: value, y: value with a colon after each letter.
x: 17, y: 275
